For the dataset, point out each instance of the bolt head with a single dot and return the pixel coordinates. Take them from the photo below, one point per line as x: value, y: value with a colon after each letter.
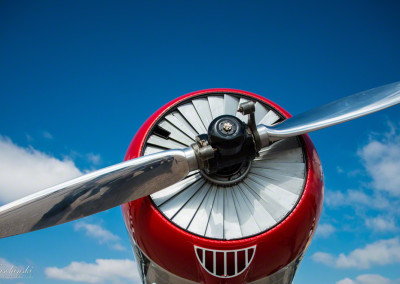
x: 227, y: 126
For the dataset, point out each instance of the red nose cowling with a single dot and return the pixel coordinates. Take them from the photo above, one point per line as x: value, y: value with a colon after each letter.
x: 188, y: 257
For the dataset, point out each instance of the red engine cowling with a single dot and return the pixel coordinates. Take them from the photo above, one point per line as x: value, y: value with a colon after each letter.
x: 212, y: 230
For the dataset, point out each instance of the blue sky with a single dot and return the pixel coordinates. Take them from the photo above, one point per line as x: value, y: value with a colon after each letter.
x: 78, y: 78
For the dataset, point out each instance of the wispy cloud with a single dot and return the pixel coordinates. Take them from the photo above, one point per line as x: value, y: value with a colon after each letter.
x: 4, y: 262
x: 47, y: 135
x: 102, y: 271
x: 27, y: 170
x: 381, y: 252
x: 28, y: 137
x: 381, y: 157
x: 99, y: 233
x: 96, y: 231
x: 377, y: 200
x: 90, y: 158
x: 94, y: 159
x: 381, y: 224
x: 324, y: 258
x: 356, y: 198
x: 117, y: 246
x: 325, y: 230
x: 381, y: 160
x: 368, y: 279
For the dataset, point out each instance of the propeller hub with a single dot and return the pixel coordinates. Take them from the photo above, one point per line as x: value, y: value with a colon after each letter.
x: 226, y: 151
x: 227, y: 133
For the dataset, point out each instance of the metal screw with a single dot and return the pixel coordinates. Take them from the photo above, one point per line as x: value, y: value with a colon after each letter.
x: 227, y: 126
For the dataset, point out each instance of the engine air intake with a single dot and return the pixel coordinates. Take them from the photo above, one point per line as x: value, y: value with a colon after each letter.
x: 225, y: 263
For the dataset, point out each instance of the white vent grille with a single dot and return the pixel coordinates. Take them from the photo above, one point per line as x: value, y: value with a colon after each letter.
x: 225, y: 263
x: 263, y: 199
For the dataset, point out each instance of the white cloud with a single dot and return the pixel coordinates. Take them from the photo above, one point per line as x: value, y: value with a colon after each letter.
x: 47, y: 135
x: 324, y: 258
x: 356, y: 197
x: 117, y: 246
x: 325, y: 230
x: 381, y: 252
x: 346, y: 281
x: 28, y: 138
x: 25, y: 170
x: 102, y: 235
x: 9, y: 270
x: 102, y: 271
x: 368, y: 279
x: 96, y: 231
x: 381, y: 224
x: 5, y: 263
x: 91, y: 158
x: 95, y: 159
x: 381, y: 158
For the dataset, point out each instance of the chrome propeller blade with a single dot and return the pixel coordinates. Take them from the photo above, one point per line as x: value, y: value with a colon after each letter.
x: 96, y: 191
x: 333, y: 113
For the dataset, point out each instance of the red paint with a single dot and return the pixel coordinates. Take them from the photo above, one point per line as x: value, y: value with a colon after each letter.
x: 172, y: 248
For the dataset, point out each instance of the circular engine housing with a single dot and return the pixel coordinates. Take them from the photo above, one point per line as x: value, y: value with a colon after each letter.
x: 194, y: 242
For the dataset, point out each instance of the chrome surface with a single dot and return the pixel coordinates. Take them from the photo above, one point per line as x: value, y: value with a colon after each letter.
x: 239, y: 115
x: 263, y: 132
x: 241, y: 205
x: 191, y: 159
x: 283, y: 276
x: 95, y: 192
x: 150, y: 272
x: 336, y: 112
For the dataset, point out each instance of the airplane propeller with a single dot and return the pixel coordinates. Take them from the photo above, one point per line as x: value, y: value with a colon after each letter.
x: 228, y: 142
x: 339, y: 111
x: 94, y: 192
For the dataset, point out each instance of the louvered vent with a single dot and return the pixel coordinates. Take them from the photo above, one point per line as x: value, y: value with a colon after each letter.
x: 268, y: 193
x: 225, y: 263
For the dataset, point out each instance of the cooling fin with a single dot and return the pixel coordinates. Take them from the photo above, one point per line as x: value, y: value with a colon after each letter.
x: 262, y: 199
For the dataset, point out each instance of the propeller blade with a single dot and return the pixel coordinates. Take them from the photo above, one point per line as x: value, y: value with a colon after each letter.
x: 96, y: 191
x: 333, y: 113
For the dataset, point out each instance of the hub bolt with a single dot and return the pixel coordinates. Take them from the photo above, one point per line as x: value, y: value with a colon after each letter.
x: 227, y: 126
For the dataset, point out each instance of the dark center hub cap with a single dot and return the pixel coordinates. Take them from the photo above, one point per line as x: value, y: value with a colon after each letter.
x: 235, y: 150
